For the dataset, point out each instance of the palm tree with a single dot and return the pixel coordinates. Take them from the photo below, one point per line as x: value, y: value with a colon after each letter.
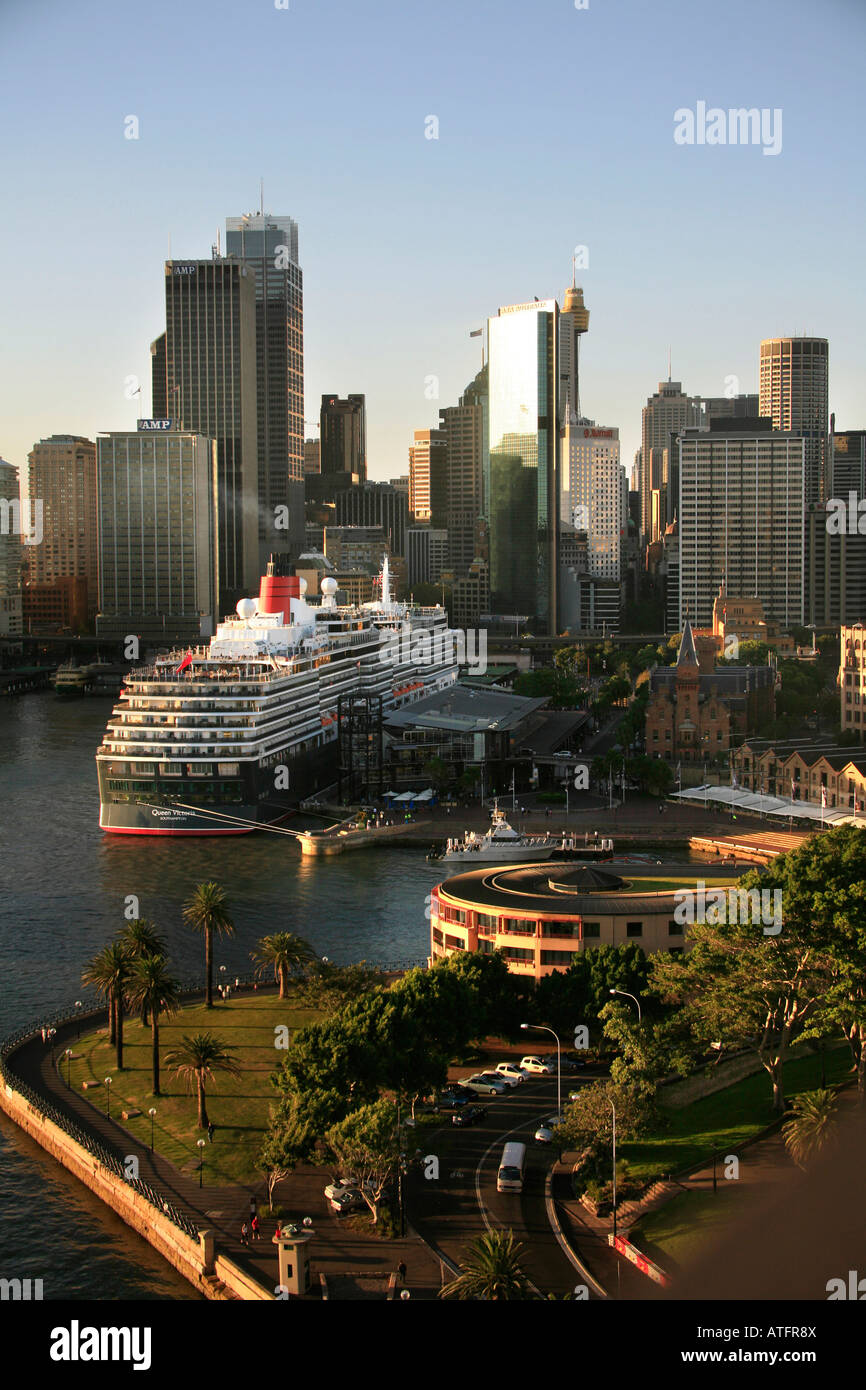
x: 108, y: 972
x: 141, y: 939
x: 490, y: 1269
x: 207, y: 911
x: 812, y: 1124
x: 152, y: 988
x: 197, y: 1061
x: 285, y: 952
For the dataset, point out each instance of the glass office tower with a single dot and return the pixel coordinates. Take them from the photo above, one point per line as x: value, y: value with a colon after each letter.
x: 523, y: 493
x: 269, y: 244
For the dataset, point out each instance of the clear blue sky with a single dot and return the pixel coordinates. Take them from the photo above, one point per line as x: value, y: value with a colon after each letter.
x: 555, y: 130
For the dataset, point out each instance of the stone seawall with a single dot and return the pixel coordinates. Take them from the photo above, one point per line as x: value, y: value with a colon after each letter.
x: 193, y: 1259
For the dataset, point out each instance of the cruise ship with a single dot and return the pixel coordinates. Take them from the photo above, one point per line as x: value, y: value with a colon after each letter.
x: 223, y: 738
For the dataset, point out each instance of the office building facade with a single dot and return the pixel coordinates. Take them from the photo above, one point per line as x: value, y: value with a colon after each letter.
x: 740, y: 519
x: 794, y: 394
x: 667, y: 412
x: 428, y: 462
x: 465, y: 429
x: 269, y: 245
x: 210, y: 389
x: 61, y: 471
x: 426, y: 554
x: 376, y: 504
x: 158, y: 535
x: 343, y: 439
x: 12, y: 550
x: 835, y: 582
x: 522, y: 503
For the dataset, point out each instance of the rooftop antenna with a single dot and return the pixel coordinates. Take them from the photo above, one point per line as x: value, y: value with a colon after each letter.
x: 669, y: 364
x: 262, y: 197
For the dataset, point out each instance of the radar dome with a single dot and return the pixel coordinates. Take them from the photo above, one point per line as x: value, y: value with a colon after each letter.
x: 246, y: 608
x: 329, y: 585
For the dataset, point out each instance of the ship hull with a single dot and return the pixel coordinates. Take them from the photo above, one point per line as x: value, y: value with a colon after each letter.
x: 169, y: 812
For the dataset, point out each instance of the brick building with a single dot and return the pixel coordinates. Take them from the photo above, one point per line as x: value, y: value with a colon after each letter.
x: 696, y: 710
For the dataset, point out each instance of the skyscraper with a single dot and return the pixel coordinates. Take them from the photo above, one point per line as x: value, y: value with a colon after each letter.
x: 62, y: 472
x: 847, y: 469
x: 573, y: 323
x: 12, y: 524
x: 794, y: 389
x: 523, y: 502
x: 376, y: 504
x: 428, y: 460
x: 269, y: 245
x: 465, y: 429
x: 343, y: 439
x: 593, y: 501
x: 210, y: 389
x: 157, y: 541
x: 666, y: 412
x: 741, y: 519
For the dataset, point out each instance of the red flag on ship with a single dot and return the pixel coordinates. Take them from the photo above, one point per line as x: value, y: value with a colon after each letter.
x: 187, y: 661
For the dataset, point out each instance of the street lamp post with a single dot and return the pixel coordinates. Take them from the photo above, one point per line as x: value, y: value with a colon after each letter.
x: 108, y: 1095
x: 200, y: 1143
x: 151, y: 1112
x: 543, y: 1028
x: 68, y: 1064
x: 613, y: 1108
x: 78, y: 1007
x: 630, y: 996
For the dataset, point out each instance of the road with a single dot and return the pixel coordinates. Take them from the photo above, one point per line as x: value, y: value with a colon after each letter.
x: 464, y: 1203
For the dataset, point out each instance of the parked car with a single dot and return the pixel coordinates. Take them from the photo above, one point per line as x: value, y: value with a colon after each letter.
x: 483, y: 1085
x: 469, y: 1115
x: 574, y: 1095
x: 341, y: 1185
x: 453, y: 1100
x: 347, y: 1201
x: 536, y: 1066
x: 496, y: 1075
x: 544, y: 1133
x: 511, y: 1071
x: 567, y: 1063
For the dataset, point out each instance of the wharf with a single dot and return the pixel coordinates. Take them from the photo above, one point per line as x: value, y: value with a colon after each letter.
x: 637, y: 827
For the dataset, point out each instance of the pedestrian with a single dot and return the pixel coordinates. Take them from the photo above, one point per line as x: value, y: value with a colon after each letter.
x: 279, y: 1231
x: 254, y: 1227
x: 245, y: 1234
x: 210, y: 1133
x: 401, y: 1270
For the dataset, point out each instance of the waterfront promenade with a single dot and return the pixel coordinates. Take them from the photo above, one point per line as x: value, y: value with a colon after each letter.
x: 636, y: 823
x: 361, y: 1261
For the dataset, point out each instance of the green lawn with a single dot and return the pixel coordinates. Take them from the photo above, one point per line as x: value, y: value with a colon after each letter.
x: 649, y: 884
x: 727, y: 1118
x: 237, y: 1106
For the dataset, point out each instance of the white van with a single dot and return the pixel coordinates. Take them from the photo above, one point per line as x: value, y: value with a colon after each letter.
x: 511, y: 1168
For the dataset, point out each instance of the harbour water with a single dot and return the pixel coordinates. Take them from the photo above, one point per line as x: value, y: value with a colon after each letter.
x: 63, y: 886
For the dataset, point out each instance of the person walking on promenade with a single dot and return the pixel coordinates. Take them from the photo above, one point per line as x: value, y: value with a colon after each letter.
x: 254, y: 1226
x: 245, y: 1234
x: 210, y: 1132
x: 401, y: 1270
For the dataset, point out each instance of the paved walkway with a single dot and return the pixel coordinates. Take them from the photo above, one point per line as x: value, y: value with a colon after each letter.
x: 337, y: 1249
